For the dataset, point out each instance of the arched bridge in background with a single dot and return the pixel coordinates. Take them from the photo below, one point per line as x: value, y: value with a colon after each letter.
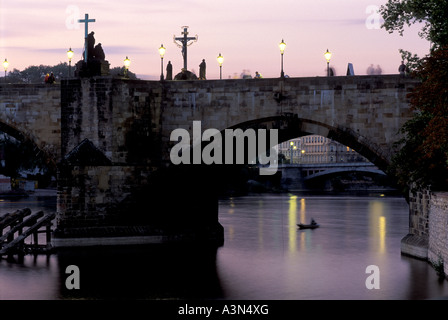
x: 311, y: 171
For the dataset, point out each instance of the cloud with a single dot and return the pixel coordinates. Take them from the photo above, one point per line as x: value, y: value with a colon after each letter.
x: 127, y: 49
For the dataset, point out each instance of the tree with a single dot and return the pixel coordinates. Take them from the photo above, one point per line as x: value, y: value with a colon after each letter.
x: 36, y: 74
x: 398, y: 14
x: 120, y: 71
x: 423, y: 155
x: 432, y: 13
x: 422, y: 159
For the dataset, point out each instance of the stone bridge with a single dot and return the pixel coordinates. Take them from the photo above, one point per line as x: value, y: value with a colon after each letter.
x: 110, y: 140
x: 315, y: 170
x: 296, y: 176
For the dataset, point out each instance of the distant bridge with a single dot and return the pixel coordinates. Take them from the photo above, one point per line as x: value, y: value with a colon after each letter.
x: 297, y: 176
x: 315, y: 170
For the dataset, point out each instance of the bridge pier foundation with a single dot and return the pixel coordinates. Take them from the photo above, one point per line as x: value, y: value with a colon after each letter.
x: 112, y: 206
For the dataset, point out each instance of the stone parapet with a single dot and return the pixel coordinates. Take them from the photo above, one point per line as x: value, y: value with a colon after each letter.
x: 438, y: 226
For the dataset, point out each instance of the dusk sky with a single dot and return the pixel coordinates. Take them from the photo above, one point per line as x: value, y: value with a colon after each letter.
x: 245, y: 32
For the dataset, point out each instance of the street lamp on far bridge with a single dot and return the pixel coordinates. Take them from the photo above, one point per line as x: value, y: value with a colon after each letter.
x: 282, y: 47
x: 70, y: 56
x: 5, y: 65
x: 291, y: 150
x: 220, y: 61
x: 327, y: 56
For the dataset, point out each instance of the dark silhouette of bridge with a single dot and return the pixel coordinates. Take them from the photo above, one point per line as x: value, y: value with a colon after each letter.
x: 109, y: 139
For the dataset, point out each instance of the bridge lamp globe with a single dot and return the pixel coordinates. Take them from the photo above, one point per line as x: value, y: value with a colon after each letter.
x: 127, y: 63
x: 70, y: 54
x: 220, y: 61
x: 292, y: 155
x: 302, y: 154
x: 327, y: 56
x: 291, y: 145
x: 162, y: 51
x: 282, y: 47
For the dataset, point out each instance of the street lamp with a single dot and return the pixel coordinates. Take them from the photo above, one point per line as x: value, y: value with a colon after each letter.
x: 327, y: 56
x: 282, y: 47
x: 162, y: 51
x: 220, y: 61
x: 127, y: 63
x: 70, y: 56
x: 5, y: 65
x: 291, y: 147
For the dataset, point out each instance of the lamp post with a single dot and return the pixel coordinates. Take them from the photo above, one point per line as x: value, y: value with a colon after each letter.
x: 282, y: 47
x: 127, y: 63
x: 327, y: 56
x: 220, y: 61
x: 5, y: 65
x: 70, y: 56
x: 291, y: 147
x: 162, y: 51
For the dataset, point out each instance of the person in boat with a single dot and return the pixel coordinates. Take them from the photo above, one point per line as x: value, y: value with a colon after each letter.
x: 313, y: 222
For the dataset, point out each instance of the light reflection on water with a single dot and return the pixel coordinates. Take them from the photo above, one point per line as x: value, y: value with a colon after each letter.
x: 325, y: 263
x: 265, y: 256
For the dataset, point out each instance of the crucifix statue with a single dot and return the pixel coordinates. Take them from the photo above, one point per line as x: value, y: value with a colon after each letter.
x: 184, y: 43
x: 86, y: 21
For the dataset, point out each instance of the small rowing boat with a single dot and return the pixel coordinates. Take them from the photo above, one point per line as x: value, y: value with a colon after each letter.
x: 308, y: 226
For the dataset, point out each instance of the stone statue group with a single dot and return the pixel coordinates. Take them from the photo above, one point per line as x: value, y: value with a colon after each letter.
x: 185, y: 74
x: 94, y: 52
x: 96, y: 64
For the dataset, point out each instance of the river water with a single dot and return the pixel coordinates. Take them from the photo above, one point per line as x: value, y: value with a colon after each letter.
x: 265, y: 256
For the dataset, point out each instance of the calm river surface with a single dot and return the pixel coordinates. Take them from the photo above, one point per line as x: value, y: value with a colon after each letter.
x: 265, y: 256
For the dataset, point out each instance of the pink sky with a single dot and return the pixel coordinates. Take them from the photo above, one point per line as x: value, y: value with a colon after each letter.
x: 245, y: 32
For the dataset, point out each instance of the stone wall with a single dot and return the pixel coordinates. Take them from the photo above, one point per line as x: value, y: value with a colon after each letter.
x: 31, y: 113
x: 415, y: 243
x: 419, y: 206
x: 438, y: 229
x: 428, y: 227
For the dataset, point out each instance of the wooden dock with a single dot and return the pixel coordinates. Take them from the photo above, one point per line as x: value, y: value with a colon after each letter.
x: 16, y: 227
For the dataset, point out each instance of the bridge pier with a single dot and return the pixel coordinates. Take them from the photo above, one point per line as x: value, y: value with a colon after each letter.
x: 114, y: 185
x: 292, y: 178
x: 98, y: 206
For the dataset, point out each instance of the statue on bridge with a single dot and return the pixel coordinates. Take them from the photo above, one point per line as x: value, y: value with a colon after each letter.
x: 94, y: 62
x: 185, y: 42
x: 202, y: 67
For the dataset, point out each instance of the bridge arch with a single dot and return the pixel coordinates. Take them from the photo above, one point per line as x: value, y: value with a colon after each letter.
x: 291, y: 126
x: 27, y: 140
